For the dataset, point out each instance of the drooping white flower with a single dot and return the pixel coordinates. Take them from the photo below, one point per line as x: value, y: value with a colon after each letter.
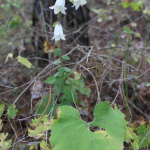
x: 58, y: 33
x: 77, y: 3
x: 59, y: 6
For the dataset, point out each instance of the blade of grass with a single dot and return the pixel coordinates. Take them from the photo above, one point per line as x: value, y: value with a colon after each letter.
x: 116, y: 44
x: 147, y: 36
x: 126, y: 84
x: 140, y: 64
x: 5, y: 26
x: 136, y: 83
x: 4, y: 103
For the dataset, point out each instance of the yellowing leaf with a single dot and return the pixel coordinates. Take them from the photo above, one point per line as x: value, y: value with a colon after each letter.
x: 44, y: 146
x: 32, y: 147
x: 25, y: 62
x: 77, y: 75
x: 133, y: 24
x: 48, y: 48
x: 4, y: 144
x: 41, y: 127
x: 132, y: 138
x: 10, y: 55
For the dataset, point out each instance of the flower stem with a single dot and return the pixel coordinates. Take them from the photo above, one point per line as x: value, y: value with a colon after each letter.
x: 58, y: 19
x: 60, y: 53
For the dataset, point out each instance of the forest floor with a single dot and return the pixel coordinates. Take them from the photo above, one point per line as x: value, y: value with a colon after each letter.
x: 25, y: 86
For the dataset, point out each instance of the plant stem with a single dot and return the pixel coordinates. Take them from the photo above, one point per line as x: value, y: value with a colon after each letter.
x: 60, y: 53
x: 126, y: 74
x: 58, y: 19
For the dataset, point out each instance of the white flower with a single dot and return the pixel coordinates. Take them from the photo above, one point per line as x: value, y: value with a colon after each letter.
x: 58, y: 33
x: 77, y: 3
x: 59, y: 6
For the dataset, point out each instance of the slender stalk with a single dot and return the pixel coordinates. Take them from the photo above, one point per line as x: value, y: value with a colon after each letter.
x: 58, y: 19
x: 126, y: 74
x: 60, y: 53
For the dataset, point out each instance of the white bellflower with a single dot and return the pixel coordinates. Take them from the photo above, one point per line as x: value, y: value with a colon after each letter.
x: 77, y: 3
x: 58, y: 33
x: 59, y: 7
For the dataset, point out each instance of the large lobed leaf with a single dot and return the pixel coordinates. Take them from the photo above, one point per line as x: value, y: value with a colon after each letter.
x: 112, y: 120
x: 70, y: 132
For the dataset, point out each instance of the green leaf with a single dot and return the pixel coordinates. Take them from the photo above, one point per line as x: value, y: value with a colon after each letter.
x: 24, y: 61
x: 62, y: 69
x: 70, y: 93
x: 57, y: 52
x: 144, y: 134
x: 17, y: 5
x: 63, y: 29
x: 67, y: 69
x: 148, y: 59
x: 87, y: 93
x: 50, y: 80
x: 70, y: 132
x: 127, y: 30
x: 56, y: 90
x: 135, y: 6
x: 58, y: 74
x: 1, y: 109
x: 42, y: 105
x: 78, y: 85
x: 57, y: 62
x: 65, y: 57
x: 12, y: 111
x: 137, y: 34
x: 112, y: 120
x: 69, y: 81
x: 54, y: 24
x: 6, y: 6
x: 60, y: 81
x: 148, y: 84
